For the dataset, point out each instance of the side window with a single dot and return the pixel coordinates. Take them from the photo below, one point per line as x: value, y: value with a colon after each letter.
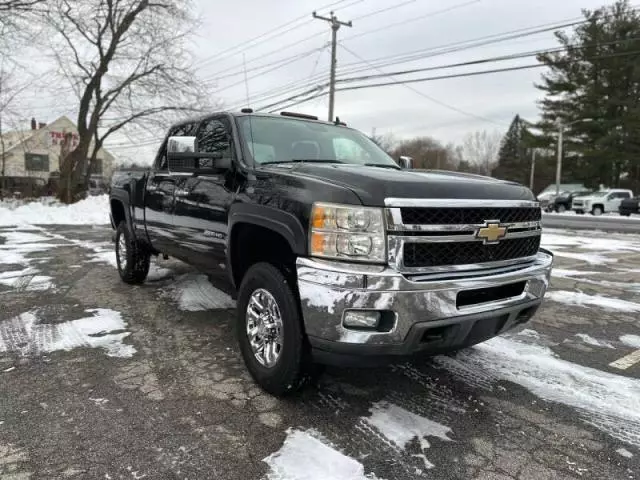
x: 215, y: 136
x: 348, y: 150
x: 625, y: 195
x: 185, y: 130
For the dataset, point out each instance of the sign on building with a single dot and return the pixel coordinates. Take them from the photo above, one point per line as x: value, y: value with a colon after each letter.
x: 56, y: 138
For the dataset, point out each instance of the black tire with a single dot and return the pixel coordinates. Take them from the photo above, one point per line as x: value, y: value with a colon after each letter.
x: 597, y: 210
x: 561, y: 208
x: 292, y: 367
x: 625, y: 214
x: 138, y: 259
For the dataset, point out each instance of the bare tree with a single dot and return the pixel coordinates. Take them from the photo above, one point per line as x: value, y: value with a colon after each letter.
x: 480, y: 149
x: 427, y: 153
x: 16, y: 20
x: 128, y: 63
x: 10, y: 90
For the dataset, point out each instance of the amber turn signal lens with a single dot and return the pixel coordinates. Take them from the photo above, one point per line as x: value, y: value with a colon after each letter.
x: 318, y: 217
x: 317, y: 243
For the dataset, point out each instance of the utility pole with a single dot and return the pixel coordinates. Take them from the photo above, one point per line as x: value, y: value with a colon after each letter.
x: 335, y: 26
x: 559, y: 162
x: 533, y: 168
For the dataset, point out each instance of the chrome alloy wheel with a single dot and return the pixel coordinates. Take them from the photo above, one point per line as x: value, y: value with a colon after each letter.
x: 264, y: 327
x: 122, y: 252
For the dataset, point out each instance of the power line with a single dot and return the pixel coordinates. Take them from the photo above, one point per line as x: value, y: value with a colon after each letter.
x: 482, y: 60
x: 422, y: 17
x: 424, y: 95
x: 219, y: 55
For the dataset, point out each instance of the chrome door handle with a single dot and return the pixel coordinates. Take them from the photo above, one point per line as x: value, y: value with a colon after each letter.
x: 179, y: 192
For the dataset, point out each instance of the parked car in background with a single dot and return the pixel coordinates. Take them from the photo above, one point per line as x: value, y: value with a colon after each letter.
x: 548, y: 195
x: 22, y: 187
x: 562, y: 202
x: 629, y: 206
x: 601, y: 202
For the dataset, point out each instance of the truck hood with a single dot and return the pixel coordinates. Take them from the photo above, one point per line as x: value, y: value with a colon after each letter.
x: 374, y: 184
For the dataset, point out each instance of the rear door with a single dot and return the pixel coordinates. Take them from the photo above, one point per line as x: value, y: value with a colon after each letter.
x: 159, y: 199
x: 204, y: 198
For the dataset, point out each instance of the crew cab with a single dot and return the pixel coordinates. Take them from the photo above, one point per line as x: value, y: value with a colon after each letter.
x: 600, y: 202
x: 333, y: 252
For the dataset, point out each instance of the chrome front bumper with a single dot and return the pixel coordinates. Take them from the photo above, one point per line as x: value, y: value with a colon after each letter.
x: 329, y: 289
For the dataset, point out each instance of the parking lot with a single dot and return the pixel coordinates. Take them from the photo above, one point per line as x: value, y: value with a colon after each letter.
x: 99, y: 379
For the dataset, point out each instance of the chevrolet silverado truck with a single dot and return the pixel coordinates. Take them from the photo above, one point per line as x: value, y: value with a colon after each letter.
x: 334, y: 253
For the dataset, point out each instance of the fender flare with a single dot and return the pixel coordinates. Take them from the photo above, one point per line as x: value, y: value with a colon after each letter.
x: 123, y: 197
x: 283, y: 223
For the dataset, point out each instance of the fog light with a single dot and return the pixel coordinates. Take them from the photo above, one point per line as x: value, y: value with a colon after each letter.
x: 361, y: 319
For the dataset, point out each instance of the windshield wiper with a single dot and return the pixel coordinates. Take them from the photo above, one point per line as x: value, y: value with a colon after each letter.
x: 382, y: 165
x: 298, y: 160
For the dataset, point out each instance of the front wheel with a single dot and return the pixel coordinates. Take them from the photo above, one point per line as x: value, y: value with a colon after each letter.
x: 597, y: 211
x: 561, y: 208
x: 132, y: 257
x: 269, y: 331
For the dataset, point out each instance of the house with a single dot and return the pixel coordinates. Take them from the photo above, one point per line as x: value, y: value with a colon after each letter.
x: 33, y: 155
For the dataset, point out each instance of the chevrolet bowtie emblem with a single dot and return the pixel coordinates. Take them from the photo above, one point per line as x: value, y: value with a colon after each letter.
x: 491, y: 232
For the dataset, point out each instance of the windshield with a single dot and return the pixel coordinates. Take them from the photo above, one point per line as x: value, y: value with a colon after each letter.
x: 282, y: 140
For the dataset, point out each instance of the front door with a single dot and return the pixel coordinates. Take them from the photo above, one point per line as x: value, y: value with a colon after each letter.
x: 203, y: 200
x: 159, y: 198
x: 159, y: 205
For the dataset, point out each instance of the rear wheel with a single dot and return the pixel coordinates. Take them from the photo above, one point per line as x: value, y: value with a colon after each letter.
x: 561, y: 208
x: 597, y: 210
x: 269, y: 330
x: 132, y: 257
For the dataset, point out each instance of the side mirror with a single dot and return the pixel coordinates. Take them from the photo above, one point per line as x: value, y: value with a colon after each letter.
x: 183, y: 156
x: 405, y: 163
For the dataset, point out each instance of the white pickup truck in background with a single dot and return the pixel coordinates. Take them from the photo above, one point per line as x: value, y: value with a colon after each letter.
x: 604, y: 201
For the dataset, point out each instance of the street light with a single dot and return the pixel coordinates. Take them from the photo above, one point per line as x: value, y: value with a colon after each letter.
x: 561, y: 127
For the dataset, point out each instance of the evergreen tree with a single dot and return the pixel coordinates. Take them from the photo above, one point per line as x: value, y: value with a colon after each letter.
x: 596, y: 77
x: 513, y: 161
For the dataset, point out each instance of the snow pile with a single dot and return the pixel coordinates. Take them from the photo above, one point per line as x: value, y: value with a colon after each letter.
x: 195, y: 293
x: 400, y: 426
x: 90, y: 211
x: 589, y: 340
x: 27, y: 335
x: 303, y: 456
x: 26, y: 279
x: 607, y: 401
x: 583, y: 300
x: 631, y: 340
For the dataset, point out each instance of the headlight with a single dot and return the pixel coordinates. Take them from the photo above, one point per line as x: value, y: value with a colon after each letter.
x: 348, y: 233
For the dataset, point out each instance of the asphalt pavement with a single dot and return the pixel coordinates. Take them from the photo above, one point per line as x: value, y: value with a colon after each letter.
x: 101, y: 380
x: 606, y: 223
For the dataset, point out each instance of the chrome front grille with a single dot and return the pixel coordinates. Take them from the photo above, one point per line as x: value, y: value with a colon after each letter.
x: 465, y: 253
x: 434, y: 236
x: 456, y: 216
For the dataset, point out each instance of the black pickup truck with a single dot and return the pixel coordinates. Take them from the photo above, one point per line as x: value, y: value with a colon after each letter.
x: 335, y: 253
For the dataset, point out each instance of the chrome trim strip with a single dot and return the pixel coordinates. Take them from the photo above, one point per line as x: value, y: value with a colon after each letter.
x: 471, y: 237
x: 459, y: 227
x: 457, y: 203
x: 430, y: 277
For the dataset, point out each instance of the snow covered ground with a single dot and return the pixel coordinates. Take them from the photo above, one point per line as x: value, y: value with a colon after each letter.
x: 93, y: 210
x: 570, y: 214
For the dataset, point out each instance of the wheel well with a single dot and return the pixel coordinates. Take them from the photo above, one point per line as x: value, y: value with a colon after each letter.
x: 251, y: 244
x: 117, y: 212
x: 597, y: 205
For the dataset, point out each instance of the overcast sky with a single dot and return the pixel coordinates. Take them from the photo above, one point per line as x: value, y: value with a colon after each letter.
x: 462, y: 105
